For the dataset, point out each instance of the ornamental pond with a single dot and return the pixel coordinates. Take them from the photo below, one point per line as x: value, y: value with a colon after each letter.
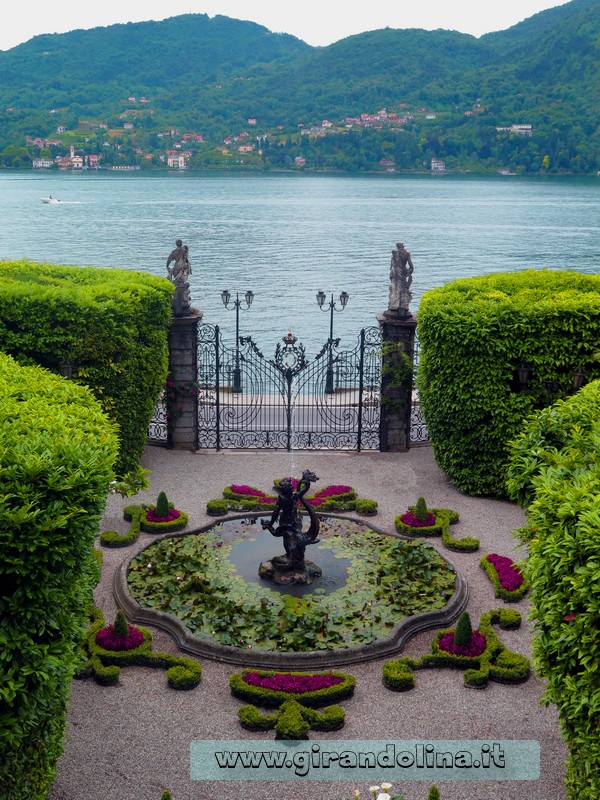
x: 375, y: 591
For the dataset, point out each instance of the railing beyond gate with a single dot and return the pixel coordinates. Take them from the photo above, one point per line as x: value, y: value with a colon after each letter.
x: 246, y: 400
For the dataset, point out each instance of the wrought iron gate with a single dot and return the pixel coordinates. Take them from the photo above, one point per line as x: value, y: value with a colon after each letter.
x: 246, y: 400
x: 418, y: 433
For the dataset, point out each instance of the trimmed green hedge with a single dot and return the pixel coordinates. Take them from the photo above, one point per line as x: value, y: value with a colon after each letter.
x: 475, y: 333
x: 444, y: 517
x: 555, y: 470
x: 56, y: 461
x: 105, y: 665
x: 495, y: 663
x: 111, y: 325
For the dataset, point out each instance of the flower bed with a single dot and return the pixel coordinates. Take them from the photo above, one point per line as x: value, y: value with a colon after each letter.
x: 409, y: 525
x: 271, y: 689
x: 413, y: 521
x: 474, y: 648
x: 336, y: 497
x: 109, y: 640
x: 291, y: 683
x: 294, y: 695
x: 509, y: 583
x: 494, y: 662
x: 152, y: 516
x: 105, y: 663
x: 150, y: 522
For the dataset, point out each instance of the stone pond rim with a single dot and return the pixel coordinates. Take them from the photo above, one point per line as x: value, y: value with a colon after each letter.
x: 316, y: 659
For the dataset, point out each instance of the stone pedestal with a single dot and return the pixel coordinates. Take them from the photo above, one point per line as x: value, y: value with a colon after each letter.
x: 301, y: 576
x: 183, y: 369
x: 398, y: 339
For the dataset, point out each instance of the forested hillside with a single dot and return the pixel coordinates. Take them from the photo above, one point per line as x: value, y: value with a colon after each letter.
x: 524, y: 99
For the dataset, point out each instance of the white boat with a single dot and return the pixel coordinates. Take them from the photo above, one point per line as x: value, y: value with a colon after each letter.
x: 49, y: 199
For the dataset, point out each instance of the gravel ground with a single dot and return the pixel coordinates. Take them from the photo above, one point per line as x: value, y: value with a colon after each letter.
x: 131, y: 742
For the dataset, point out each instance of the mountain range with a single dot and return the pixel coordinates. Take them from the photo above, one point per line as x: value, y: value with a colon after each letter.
x: 452, y: 92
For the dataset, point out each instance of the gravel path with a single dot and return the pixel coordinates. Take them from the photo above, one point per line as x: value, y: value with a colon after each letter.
x: 131, y: 742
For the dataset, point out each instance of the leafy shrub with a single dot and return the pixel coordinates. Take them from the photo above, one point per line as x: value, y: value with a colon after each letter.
x: 464, y: 630
x: 217, y: 508
x: 363, y: 505
x: 56, y: 461
x: 162, y: 505
x: 433, y: 793
x: 292, y: 720
x: 474, y: 334
x: 555, y: 470
x: 421, y: 509
x: 120, y: 627
x: 110, y: 324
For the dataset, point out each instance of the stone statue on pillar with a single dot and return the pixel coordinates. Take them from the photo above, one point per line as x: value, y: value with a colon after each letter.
x: 179, y: 275
x: 401, y: 270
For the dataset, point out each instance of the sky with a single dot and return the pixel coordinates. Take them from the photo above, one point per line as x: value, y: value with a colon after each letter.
x: 317, y: 22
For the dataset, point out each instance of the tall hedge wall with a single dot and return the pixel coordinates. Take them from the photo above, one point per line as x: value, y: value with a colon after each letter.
x: 555, y: 471
x: 474, y: 334
x: 110, y: 324
x: 56, y: 455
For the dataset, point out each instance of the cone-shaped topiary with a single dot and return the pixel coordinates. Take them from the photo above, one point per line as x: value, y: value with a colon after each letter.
x: 169, y: 796
x: 421, y: 509
x: 120, y: 625
x: 162, y: 505
x: 433, y: 794
x: 464, y: 630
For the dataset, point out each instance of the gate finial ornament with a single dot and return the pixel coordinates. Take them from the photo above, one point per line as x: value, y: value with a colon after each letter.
x: 401, y: 270
x: 179, y: 275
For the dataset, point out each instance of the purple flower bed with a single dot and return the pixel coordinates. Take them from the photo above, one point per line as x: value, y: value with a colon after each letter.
x: 250, y: 491
x: 475, y: 648
x: 410, y: 519
x: 508, y: 573
x: 106, y: 638
x: 316, y: 500
x: 329, y: 491
x: 152, y: 516
x: 293, y: 684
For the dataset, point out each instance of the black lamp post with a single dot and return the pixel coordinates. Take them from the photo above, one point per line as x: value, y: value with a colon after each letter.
x: 237, y: 304
x: 321, y: 297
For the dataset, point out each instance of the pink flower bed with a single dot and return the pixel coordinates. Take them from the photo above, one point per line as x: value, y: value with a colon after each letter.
x: 106, y: 638
x: 316, y: 500
x: 475, y: 648
x: 152, y: 516
x: 508, y: 573
x: 410, y: 519
x: 329, y: 491
x: 293, y: 684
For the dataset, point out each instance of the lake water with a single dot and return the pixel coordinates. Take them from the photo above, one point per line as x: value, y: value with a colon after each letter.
x: 287, y: 236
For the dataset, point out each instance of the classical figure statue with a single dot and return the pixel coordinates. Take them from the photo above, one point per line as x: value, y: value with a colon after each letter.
x: 179, y: 275
x: 289, y: 524
x: 401, y: 270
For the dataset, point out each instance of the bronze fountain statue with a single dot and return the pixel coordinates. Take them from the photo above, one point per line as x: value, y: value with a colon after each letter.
x: 292, y: 568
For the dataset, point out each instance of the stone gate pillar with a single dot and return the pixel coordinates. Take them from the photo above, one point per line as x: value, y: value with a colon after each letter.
x: 183, y: 369
x: 398, y: 342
